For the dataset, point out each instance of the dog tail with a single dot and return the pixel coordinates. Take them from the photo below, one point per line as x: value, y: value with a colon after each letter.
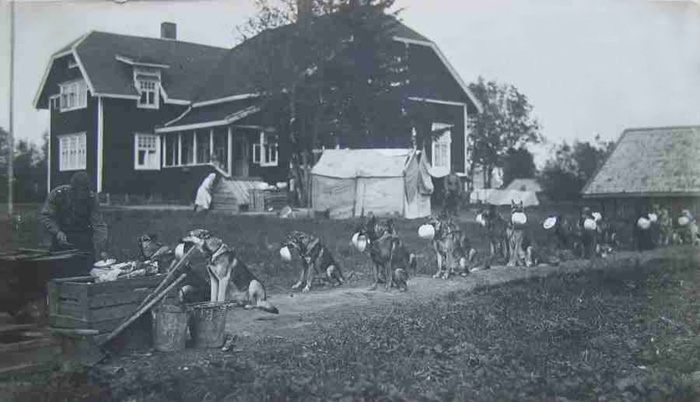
x: 265, y: 306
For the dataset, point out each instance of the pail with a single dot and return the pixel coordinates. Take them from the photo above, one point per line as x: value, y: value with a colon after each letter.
x: 208, y: 324
x: 169, y: 328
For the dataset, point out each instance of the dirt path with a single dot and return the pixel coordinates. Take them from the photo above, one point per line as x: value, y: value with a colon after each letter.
x: 299, y: 311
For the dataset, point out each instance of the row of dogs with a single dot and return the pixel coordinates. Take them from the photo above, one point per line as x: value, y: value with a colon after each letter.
x: 230, y: 280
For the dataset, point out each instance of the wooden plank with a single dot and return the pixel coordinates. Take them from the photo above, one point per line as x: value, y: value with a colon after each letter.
x: 73, y: 309
x: 113, y: 312
x: 16, y: 327
x: 26, y: 345
x: 76, y: 279
x: 61, y: 321
x: 115, y: 299
x: 122, y: 285
x: 71, y: 290
x: 53, y: 297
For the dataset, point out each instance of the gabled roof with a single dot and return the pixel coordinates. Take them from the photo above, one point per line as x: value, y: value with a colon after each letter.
x: 192, y: 73
x: 650, y: 161
x: 188, y: 63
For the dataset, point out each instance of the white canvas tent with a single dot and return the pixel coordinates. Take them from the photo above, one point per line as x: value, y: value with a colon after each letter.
x: 355, y: 182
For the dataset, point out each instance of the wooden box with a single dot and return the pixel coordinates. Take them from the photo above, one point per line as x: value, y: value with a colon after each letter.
x: 81, y: 303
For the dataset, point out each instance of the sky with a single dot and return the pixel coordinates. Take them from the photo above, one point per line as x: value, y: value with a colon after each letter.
x: 587, y: 66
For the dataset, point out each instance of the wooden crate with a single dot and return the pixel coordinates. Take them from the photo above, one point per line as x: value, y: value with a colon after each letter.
x: 81, y: 303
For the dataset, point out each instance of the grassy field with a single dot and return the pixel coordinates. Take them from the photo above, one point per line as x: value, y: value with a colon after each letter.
x: 626, y: 335
x: 257, y: 238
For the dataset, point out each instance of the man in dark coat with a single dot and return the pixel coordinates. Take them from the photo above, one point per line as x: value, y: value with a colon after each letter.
x: 71, y: 215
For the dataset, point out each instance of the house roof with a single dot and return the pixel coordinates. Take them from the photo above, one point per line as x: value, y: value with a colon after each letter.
x: 194, y: 72
x: 650, y: 161
x: 351, y: 163
x: 524, y: 185
x: 97, y: 52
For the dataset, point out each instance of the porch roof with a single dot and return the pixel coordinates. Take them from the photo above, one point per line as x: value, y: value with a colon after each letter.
x: 220, y: 114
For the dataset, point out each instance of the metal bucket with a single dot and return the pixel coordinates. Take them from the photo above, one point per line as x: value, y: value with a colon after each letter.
x: 169, y: 328
x: 208, y: 324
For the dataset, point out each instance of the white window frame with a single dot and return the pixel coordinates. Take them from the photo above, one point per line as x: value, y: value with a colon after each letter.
x: 261, y: 150
x: 75, y: 91
x: 140, y: 82
x: 72, y: 152
x: 443, y: 141
x: 155, y: 159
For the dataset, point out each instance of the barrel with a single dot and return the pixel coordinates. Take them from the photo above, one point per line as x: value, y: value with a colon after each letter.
x: 208, y: 324
x: 169, y: 328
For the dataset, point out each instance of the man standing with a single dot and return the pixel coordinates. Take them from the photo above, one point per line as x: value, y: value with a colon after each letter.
x: 71, y: 215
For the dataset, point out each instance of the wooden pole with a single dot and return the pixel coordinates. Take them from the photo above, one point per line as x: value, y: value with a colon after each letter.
x: 170, y: 275
x: 10, y: 137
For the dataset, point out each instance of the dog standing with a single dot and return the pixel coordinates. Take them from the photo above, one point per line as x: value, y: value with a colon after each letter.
x: 316, y: 260
x: 519, y: 245
x: 225, y: 268
x: 389, y: 255
x: 451, y: 246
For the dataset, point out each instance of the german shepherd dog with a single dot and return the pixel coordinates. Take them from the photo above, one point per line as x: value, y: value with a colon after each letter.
x: 316, y: 260
x: 390, y: 257
x: 451, y: 246
x: 496, y: 231
x: 519, y: 245
x: 152, y: 250
x: 225, y: 268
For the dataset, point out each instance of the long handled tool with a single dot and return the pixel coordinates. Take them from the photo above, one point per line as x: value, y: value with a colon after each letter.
x: 169, y: 276
x: 141, y: 311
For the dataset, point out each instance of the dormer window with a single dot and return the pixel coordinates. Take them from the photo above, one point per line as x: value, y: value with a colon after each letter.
x: 73, y: 95
x: 148, y: 93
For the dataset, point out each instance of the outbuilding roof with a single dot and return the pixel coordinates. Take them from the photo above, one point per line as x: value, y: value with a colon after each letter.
x: 659, y: 161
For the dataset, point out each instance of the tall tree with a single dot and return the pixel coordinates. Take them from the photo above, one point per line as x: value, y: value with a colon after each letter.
x: 571, y: 166
x: 505, y: 123
x: 329, y: 67
x: 518, y: 163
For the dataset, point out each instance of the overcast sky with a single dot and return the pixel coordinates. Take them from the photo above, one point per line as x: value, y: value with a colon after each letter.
x: 587, y: 66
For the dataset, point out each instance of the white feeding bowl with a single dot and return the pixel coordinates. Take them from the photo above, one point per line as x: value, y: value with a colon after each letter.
x: 285, y: 254
x: 480, y: 220
x: 683, y: 220
x: 362, y: 243
x: 589, y: 224
x: 426, y: 232
x: 643, y: 223
x: 597, y: 216
x: 518, y: 218
x: 653, y: 218
x: 105, y: 263
x: 549, y: 222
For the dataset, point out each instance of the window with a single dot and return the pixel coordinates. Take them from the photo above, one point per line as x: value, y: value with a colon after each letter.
x: 72, y: 152
x: 171, y: 149
x: 148, y: 93
x: 203, y: 144
x: 147, y: 152
x: 73, y: 95
x: 187, y: 145
x: 265, y: 151
x: 441, y: 147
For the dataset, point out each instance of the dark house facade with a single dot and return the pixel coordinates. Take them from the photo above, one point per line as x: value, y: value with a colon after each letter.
x: 152, y: 117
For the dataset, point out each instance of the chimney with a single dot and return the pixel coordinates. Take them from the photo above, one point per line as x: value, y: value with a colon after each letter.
x: 303, y: 10
x: 168, y: 30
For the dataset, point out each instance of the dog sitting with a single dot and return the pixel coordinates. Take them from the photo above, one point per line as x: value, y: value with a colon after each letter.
x: 225, y: 268
x: 451, y: 246
x: 316, y: 260
x: 496, y: 228
x: 390, y: 257
x: 153, y: 251
x: 519, y: 245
